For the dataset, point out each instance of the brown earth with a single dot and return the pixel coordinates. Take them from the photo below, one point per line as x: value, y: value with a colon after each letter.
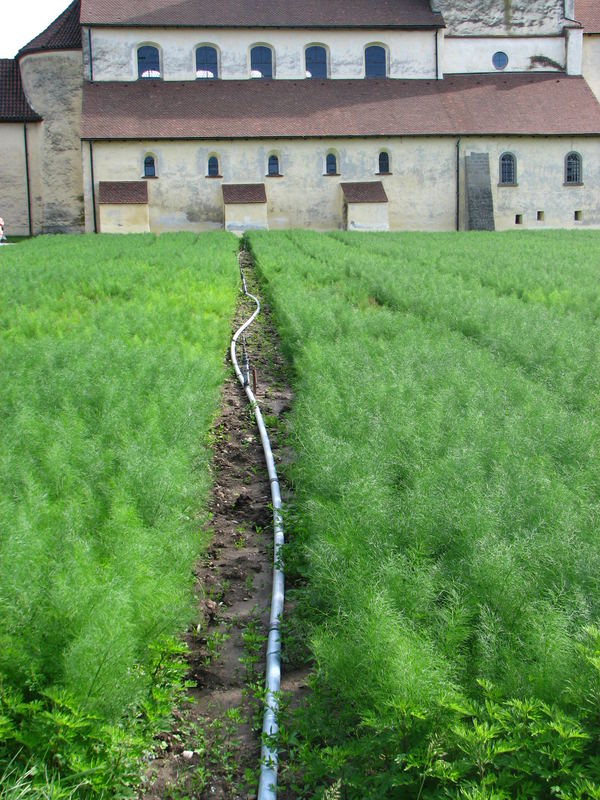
x: 213, y: 751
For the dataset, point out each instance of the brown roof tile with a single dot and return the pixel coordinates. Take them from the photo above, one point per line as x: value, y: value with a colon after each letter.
x: 263, y: 14
x: 366, y: 192
x: 588, y: 13
x: 469, y: 104
x: 14, y: 106
x: 235, y: 193
x: 121, y: 193
x: 63, y: 34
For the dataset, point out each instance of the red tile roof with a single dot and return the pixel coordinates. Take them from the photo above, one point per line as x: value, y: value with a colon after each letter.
x: 588, y: 13
x: 366, y: 192
x: 543, y: 103
x: 236, y: 193
x: 14, y: 106
x: 262, y: 14
x: 123, y: 193
x: 63, y: 34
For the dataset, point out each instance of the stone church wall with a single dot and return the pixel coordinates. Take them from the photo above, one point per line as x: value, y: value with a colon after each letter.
x: 13, y: 183
x: 502, y: 17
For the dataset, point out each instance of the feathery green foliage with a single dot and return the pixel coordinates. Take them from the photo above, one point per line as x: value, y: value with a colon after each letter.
x: 446, y: 507
x: 112, y: 358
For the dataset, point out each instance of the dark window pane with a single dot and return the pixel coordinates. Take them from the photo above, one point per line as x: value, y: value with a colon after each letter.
x: 273, y: 165
x: 148, y: 62
x: 331, y: 164
x: 375, y: 62
x: 316, y: 62
x: 507, y: 169
x: 261, y: 62
x: 206, y: 63
x: 573, y: 168
x: 213, y: 166
x: 149, y: 167
x: 384, y: 162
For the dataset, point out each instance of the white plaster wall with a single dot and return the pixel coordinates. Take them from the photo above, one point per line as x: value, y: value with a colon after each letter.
x: 124, y: 218
x: 13, y: 182
x: 240, y: 217
x: 591, y: 62
x: 462, y: 54
x: 53, y: 85
x: 411, y: 53
x: 368, y: 217
x: 478, y: 17
x: 540, y: 179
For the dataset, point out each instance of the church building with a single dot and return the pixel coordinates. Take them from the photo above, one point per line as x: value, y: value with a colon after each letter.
x: 435, y: 115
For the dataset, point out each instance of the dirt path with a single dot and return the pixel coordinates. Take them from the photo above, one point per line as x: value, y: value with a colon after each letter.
x: 214, y: 751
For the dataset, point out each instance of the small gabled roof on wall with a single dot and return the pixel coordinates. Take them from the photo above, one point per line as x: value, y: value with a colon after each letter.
x: 364, y: 192
x: 62, y: 34
x: 588, y: 13
x: 239, y: 193
x: 14, y: 106
x: 123, y: 193
x: 262, y: 14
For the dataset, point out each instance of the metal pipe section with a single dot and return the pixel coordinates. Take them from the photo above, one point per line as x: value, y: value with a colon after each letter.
x: 267, y: 788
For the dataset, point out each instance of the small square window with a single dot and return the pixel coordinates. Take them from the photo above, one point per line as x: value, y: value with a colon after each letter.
x: 518, y: 219
x: 540, y: 216
x: 578, y: 216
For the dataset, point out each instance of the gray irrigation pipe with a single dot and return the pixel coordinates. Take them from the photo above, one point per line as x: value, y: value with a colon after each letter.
x: 267, y: 787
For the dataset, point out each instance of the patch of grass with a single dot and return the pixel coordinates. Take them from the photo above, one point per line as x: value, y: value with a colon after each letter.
x: 446, y: 506
x: 112, y: 359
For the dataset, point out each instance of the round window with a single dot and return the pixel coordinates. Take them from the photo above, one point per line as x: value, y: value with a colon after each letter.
x: 500, y: 60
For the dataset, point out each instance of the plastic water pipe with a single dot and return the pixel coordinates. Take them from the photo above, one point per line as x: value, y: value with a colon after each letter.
x: 267, y: 787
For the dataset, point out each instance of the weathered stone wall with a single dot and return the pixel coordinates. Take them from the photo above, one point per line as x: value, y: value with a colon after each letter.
x: 421, y: 189
x: 53, y: 85
x: 411, y: 53
x: 498, y: 17
x: 591, y: 62
x: 13, y: 185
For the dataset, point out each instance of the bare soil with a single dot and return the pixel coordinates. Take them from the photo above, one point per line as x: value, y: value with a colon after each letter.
x: 214, y: 749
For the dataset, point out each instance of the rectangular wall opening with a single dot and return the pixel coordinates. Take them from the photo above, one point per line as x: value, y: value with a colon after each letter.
x: 518, y: 219
x: 578, y: 216
x: 540, y: 216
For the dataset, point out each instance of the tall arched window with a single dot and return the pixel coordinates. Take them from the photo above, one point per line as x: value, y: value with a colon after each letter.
x: 207, y: 62
x: 573, y: 168
x: 375, y: 62
x: 331, y: 164
x: 148, y: 59
x: 261, y: 62
x: 213, y: 167
x: 508, y: 169
x: 149, y: 167
x: 273, y: 166
x: 384, y: 163
x: 316, y: 62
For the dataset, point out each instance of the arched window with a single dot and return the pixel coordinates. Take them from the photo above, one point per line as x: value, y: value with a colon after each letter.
x: 148, y: 59
x: 149, y: 167
x: 316, y: 62
x: 573, y: 168
x: 331, y: 164
x: 261, y: 62
x: 508, y: 169
x: 384, y: 163
x: 375, y: 62
x: 273, y: 166
x: 207, y: 63
x: 213, y: 167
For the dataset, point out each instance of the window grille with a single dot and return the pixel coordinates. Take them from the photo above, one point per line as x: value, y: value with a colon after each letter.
x: 261, y: 62
x: 207, y: 66
x: 148, y: 62
x: 331, y: 164
x: 508, y: 169
x: 316, y: 62
x: 375, y: 62
x: 573, y: 171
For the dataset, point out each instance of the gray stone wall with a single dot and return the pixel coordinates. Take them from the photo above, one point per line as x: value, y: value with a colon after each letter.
x: 516, y: 17
x: 53, y: 84
x: 480, y: 205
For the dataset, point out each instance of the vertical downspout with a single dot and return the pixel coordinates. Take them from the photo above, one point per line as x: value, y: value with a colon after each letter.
x: 90, y: 54
x: 93, y: 186
x: 28, y: 179
x: 458, y: 182
x: 437, y: 55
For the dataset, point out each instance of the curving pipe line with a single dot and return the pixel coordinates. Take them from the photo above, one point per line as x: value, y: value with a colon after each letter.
x: 267, y: 788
